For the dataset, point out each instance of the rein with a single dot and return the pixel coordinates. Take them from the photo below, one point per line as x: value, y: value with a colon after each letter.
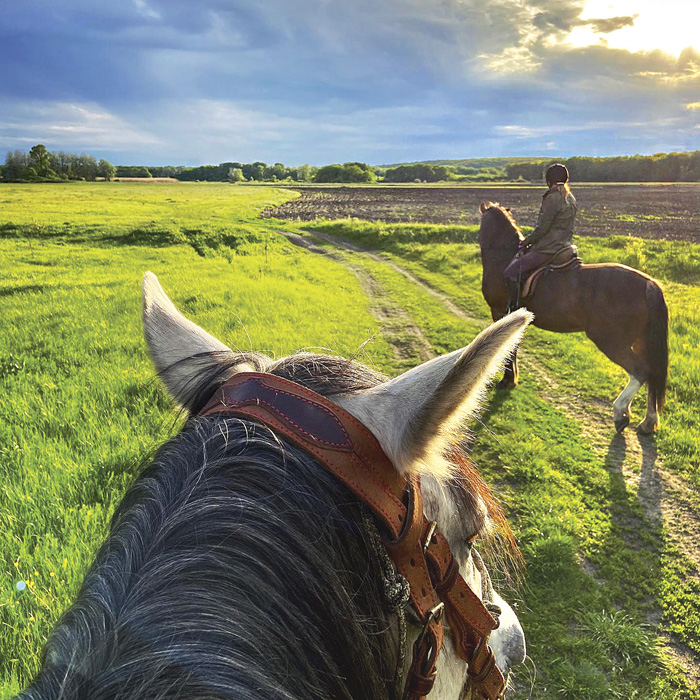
x: 349, y: 451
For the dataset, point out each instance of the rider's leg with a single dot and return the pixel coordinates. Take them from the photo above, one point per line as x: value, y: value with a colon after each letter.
x: 516, y: 272
x: 513, y: 295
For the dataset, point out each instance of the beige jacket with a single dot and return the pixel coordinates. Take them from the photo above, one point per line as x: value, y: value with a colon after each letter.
x: 555, y: 223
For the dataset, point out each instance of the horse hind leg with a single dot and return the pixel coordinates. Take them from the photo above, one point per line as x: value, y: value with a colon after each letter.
x: 651, y: 420
x: 621, y: 406
x: 636, y: 368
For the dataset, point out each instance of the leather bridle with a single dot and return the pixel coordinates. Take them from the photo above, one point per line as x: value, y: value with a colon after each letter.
x: 349, y: 451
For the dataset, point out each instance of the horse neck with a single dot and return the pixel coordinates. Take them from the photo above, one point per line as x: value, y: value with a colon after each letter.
x: 495, y: 255
x: 242, y: 482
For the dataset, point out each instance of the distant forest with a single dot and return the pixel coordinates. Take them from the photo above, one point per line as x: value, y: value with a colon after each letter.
x: 662, y: 167
x: 41, y: 165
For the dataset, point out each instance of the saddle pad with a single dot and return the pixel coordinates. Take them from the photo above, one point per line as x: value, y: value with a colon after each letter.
x: 531, y: 282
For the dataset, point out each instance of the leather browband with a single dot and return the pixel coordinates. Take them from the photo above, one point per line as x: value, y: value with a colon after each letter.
x: 346, y: 448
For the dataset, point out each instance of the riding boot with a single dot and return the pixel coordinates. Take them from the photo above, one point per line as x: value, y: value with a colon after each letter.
x: 513, y: 295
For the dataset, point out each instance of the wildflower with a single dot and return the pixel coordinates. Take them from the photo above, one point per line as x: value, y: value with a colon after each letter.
x: 20, y: 585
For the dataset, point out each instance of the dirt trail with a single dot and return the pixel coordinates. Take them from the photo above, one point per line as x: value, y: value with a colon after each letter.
x: 408, y: 343
x: 666, y: 498
x: 377, y: 257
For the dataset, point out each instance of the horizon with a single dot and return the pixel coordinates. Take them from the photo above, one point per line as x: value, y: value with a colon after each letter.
x: 324, y: 82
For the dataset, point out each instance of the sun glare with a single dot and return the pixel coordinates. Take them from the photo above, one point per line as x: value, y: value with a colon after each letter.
x: 670, y: 26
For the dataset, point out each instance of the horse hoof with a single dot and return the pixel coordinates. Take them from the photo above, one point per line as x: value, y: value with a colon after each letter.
x: 505, y: 384
x: 646, y: 428
x: 622, y: 423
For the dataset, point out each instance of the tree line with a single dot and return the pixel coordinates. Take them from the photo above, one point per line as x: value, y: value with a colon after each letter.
x: 262, y: 172
x: 353, y: 171
x: 233, y: 171
x: 661, y: 167
x: 40, y: 165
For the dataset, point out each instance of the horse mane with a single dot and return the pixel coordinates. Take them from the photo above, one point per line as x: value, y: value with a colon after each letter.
x: 495, y: 209
x: 237, y: 567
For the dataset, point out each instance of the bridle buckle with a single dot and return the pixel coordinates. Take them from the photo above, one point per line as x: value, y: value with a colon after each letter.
x: 434, y: 615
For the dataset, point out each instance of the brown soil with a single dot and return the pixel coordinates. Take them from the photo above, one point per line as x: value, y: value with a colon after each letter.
x: 648, y: 211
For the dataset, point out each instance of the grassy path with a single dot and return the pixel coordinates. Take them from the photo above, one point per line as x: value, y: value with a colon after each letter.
x: 409, y: 344
x: 655, y: 510
x: 347, y: 245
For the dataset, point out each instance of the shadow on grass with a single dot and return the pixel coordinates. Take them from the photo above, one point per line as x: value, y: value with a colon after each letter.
x: 21, y: 289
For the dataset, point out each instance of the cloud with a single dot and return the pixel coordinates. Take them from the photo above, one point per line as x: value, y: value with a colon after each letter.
x: 610, y: 24
x: 325, y: 80
x: 62, y: 126
x: 685, y: 70
x: 144, y: 9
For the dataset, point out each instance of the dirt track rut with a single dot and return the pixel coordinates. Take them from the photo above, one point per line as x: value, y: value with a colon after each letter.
x: 408, y: 343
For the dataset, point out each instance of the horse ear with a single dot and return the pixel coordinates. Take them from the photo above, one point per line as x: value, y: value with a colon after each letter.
x: 483, y: 207
x: 417, y: 415
x: 181, y: 351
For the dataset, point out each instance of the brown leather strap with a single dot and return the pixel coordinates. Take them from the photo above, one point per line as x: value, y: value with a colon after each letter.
x: 313, y: 423
x: 348, y: 449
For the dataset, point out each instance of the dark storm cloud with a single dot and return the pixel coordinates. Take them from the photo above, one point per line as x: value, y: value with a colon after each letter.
x: 326, y: 80
x: 611, y: 24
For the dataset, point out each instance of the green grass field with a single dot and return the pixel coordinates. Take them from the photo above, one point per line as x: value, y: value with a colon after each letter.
x: 82, y: 410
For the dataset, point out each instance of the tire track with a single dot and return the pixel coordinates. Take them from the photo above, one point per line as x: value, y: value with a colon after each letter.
x: 408, y: 343
x: 344, y: 244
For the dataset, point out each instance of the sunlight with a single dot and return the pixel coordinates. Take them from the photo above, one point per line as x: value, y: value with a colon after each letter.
x: 669, y: 26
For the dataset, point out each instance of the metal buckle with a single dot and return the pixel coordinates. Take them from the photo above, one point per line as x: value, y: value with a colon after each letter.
x: 434, y: 615
x: 431, y: 532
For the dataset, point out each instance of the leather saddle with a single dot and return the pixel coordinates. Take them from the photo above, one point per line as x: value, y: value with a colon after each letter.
x: 564, y: 259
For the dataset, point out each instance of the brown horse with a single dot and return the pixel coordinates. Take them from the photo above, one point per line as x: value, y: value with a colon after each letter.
x: 621, y: 310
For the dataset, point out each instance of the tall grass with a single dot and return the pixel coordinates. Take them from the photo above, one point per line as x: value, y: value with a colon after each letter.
x: 81, y: 407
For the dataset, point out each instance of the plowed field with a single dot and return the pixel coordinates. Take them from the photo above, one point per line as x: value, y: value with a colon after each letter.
x: 648, y: 211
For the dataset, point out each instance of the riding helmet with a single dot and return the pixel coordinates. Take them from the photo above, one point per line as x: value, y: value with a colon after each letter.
x: 556, y: 173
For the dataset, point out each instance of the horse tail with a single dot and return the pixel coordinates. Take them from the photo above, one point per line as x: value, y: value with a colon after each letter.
x: 657, y: 343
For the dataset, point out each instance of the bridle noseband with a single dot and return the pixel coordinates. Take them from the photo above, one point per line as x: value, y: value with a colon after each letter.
x: 349, y: 451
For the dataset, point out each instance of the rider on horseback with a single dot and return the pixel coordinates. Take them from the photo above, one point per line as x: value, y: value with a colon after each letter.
x: 554, y: 231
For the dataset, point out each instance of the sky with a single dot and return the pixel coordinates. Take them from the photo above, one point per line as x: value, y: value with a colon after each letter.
x: 189, y: 82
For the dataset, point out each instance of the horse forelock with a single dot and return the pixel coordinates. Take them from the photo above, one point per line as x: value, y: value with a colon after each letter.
x: 235, y: 567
